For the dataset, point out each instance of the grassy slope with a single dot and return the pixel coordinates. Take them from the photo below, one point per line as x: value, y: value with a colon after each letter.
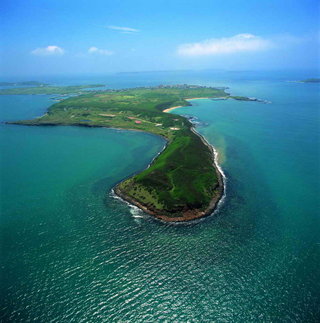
x: 182, y: 177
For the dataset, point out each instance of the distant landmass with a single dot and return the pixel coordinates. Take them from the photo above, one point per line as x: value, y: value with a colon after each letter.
x: 184, y: 182
x: 311, y: 80
x: 44, y: 89
x: 153, y: 72
x: 32, y: 83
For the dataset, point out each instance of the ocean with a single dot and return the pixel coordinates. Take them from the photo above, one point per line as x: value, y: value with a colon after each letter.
x: 71, y: 252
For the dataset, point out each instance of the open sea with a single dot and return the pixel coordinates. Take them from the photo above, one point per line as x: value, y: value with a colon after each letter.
x: 71, y: 252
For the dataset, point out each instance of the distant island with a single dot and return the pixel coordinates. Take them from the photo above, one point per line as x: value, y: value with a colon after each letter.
x: 311, y: 80
x: 45, y: 89
x: 183, y: 182
x: 25, y: 83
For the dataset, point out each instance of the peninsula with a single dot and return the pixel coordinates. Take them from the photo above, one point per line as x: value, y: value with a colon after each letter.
x: 183, y: 182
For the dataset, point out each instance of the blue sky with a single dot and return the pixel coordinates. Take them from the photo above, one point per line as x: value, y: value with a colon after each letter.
x: 81, y: 36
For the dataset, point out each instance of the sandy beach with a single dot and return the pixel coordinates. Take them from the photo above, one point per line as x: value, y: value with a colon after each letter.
x: 170, y: 109
x: 180, y: 106
x: 195, y: 99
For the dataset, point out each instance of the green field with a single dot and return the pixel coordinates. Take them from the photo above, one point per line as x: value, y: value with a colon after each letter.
x: 182, y: 181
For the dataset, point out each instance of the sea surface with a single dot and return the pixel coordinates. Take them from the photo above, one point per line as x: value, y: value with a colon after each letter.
x: 71, y: 252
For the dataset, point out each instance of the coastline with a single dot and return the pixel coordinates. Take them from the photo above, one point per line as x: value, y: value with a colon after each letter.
x: 196, y: 98
x: 170, y: 109
x: 181, y: 106
x: 221, y: 175
x: 215, y: 203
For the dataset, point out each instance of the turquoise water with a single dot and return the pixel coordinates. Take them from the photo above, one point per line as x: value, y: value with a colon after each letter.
x: 71, y: 252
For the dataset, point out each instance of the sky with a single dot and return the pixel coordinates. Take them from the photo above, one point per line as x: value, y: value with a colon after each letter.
x: 42, y: 37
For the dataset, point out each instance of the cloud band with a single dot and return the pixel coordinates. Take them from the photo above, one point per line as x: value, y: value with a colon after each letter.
x: 235, y: 44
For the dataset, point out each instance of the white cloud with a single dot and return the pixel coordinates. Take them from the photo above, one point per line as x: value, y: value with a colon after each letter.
x: 125, y: 30
x: 95, y: 50
x: 47, y: 51
x: 216, y: 46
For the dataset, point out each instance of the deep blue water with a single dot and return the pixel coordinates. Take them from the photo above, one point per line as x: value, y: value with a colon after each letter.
x: 71, y: 252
